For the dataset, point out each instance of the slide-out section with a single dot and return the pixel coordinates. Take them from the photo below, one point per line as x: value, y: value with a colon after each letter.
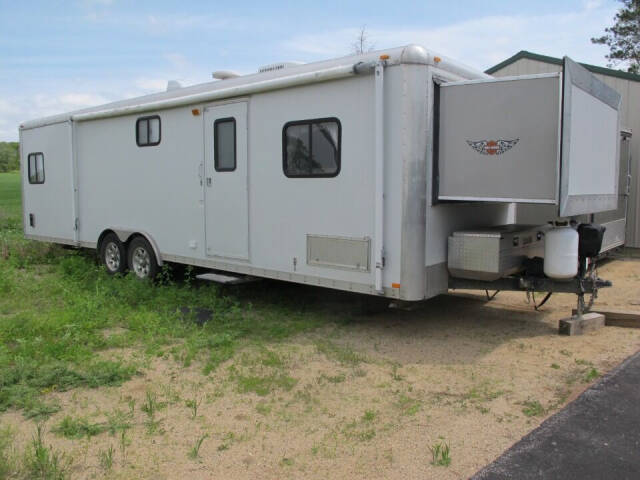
x: 542, y: 139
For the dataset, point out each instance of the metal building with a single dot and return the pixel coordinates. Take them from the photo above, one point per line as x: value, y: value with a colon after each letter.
x: 627, y: 84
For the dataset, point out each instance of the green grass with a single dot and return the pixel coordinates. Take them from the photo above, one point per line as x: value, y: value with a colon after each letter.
x: 42, y: 461
x: 62, y: 319
x: 533, y: 408
x: 440, y: 454
x: 6, y: 454
x: 10, y: 194
x: 344, y: 355
x: 591, y: 375
x: 194, y: 452
x: 75, y: 428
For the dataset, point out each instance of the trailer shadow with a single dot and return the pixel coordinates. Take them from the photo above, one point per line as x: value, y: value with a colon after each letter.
x: 448, y: 329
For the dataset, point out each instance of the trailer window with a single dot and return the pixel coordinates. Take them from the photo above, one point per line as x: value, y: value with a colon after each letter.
x: 36, y: 167
x: 311, y: 148
x: 148, y: 131
x: 224, y: 135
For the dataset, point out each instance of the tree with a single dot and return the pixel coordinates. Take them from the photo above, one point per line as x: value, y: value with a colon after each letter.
x: 362, y: 43
x: 9, y: 156
x: 623, y: 38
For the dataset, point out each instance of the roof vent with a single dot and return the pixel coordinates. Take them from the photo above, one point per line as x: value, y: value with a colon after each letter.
x: 278, y: 66
x: 173, y: 85
x: 224, y: 74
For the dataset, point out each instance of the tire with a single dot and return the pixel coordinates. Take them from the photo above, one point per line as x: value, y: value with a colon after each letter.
x: 142, y: 260
x: 113, y: 254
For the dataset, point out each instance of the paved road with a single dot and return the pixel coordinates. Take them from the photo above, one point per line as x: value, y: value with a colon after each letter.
x: 595, y: 437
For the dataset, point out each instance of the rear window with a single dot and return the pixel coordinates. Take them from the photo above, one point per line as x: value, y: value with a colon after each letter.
x: 36, y: 167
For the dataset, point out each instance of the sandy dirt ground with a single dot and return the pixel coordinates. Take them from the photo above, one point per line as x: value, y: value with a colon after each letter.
x: 363, y: 399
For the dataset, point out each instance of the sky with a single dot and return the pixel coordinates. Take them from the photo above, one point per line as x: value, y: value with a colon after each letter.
x: 60, y: 56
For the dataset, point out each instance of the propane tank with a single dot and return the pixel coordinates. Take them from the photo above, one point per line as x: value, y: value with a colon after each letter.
x: 561, y: 253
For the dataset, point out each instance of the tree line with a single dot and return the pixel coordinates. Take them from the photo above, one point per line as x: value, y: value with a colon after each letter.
x: 9, y: 157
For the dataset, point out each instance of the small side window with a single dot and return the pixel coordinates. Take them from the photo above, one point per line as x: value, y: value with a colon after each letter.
x: 148, y: 131
x: 311, y: 148
x: 35, y: 167
x: 224, y: 137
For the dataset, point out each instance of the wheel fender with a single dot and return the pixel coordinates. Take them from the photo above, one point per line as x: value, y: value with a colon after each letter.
x: 125, y: 234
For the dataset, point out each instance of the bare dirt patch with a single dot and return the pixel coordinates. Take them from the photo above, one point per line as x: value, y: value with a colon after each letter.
x: 365, y: 399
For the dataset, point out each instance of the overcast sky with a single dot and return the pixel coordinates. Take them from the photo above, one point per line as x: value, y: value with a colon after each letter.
x: 60, y: 56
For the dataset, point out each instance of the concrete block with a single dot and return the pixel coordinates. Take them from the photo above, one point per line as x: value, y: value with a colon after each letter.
x: 578, y: 326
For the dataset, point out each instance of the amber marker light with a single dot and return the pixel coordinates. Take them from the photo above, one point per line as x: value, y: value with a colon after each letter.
x: 195, y: 112
x: 384, y: 56
x: 437, y: 59
x: 395, y: 285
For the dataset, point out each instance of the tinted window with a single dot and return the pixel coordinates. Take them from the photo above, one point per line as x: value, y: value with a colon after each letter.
x: 224, y: 134
x: 148, y: 131
x: 35, y: 163
x: 311, y: 148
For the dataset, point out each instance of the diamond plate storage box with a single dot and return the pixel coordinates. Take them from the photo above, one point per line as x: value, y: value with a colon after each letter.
x: 493, y: 252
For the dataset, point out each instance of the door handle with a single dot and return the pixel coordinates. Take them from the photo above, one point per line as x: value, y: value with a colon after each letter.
x: 208, y: 181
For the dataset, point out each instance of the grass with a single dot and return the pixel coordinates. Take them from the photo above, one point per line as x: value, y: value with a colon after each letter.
x: 76, y: 428
x: 263, y: 385
x: 533, y: 408
x: 106, y: 458
x: 53, y: 338
x: 440, y: 454
x: 6, y: 460
x: 43, y: 462
x: 195, y: 450
x: 591, y: 375
x: 119, y: 421
x: 193, y: 404
x: 344, y: 355
x: 150, y: 406
x: 408, y: 406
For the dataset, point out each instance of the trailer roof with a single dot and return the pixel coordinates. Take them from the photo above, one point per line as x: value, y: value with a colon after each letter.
x: 410, y: 54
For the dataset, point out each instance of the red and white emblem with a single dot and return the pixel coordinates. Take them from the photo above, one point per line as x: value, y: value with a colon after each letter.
x: 492, y: 147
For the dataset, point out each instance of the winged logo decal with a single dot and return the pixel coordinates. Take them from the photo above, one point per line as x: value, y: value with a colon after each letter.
x: 492, y: 147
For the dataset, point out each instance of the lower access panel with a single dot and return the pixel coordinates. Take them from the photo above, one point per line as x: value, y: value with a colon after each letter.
x: 339, y: 252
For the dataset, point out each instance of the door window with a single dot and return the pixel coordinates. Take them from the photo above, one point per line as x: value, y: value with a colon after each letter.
x: 224, y: 135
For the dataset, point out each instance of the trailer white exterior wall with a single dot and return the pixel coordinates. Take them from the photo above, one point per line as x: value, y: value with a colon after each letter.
x: 256, y: 220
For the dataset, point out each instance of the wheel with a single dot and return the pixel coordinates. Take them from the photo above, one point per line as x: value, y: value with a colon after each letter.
x: 113, y: 254
x: 142, y: 260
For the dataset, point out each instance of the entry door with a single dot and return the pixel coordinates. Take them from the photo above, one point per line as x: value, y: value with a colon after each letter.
x: 226, y: 202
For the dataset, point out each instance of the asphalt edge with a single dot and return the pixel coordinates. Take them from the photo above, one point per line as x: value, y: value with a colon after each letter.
x: 525, y: 444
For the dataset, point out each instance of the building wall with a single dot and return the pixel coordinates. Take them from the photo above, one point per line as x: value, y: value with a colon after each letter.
x: 630, y: 91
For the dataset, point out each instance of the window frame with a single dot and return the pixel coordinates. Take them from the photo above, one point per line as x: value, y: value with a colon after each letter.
x: 35, y: 165
x: 147, y: 119
x: 310, y: 122
x: 215, y: 144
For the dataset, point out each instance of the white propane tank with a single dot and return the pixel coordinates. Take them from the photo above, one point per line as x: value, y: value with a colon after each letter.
x: 561, y: 253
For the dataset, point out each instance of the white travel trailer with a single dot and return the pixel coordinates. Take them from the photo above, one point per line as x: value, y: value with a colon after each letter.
x: 349, y: 173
